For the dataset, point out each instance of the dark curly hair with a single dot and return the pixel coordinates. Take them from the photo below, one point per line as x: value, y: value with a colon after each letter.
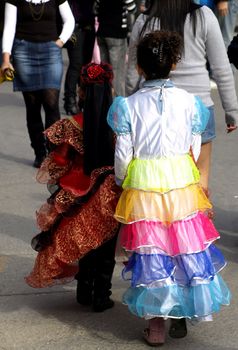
x: 157, y: 52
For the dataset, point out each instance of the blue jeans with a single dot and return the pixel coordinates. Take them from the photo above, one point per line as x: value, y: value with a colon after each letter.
x: 113, y: 51
x: 209, y: 3
x: 228, y: 22
x: 209, y: 133
x: 79, y: 54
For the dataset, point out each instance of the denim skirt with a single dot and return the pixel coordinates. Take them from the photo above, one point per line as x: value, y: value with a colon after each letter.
x: 38, y: 66
x: 209, y: 133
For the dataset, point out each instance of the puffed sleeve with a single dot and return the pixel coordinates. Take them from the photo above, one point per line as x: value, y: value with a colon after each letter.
x: 200, y: 117
x: 119, y: 120
x: 118, y: 116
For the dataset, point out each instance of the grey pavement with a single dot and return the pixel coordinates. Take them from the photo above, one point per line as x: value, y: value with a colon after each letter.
x: 50, y: 318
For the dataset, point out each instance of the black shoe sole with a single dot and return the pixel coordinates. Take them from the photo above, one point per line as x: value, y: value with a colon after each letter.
x: 100, y: 307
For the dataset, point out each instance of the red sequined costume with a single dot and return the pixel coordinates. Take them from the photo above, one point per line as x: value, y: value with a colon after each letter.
x: 78, y: 217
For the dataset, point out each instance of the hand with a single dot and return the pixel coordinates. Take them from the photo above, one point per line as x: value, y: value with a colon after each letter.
x: 230, y: 128
x: 59, y: 43
x: 6, y: 65
x: 142, y: 8
x: 222, y: 8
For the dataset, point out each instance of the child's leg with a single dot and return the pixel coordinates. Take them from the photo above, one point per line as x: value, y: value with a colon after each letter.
x: 105, y: 262
x: 85, y: 279
x: 155, y: 334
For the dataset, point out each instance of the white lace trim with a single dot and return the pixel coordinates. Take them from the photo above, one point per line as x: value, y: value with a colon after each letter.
x: 36, y: 2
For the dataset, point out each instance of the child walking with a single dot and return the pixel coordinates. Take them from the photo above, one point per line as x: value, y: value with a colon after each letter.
x: 77, y: 221
x: 174, y: 265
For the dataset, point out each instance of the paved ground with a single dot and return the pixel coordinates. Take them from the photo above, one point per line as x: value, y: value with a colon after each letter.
x: 50, y: 319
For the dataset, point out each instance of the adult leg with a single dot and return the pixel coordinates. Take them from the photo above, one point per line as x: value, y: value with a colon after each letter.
x: 35, y: 125
x: 50, y: 102
x: 104, y: 49
x: 228, y: 22
x: 204, y: 164
x: 117, y: 58
x: 72, y: 75
x: 204, y: 160
x: 87, y: 40
x: 79, y: 54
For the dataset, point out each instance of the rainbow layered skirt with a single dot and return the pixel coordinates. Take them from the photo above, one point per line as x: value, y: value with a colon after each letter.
x: 173, y: 264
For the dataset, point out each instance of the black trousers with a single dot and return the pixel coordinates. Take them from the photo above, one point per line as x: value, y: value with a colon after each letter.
x: 79, y: 54
x: 96, y: 269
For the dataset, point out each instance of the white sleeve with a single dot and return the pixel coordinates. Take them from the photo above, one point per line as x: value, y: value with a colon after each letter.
x: 123, y: 155
x: 68, y: 22
x: 9, y: 30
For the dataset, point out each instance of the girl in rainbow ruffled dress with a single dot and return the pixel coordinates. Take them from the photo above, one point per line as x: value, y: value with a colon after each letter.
x: 173, y: 265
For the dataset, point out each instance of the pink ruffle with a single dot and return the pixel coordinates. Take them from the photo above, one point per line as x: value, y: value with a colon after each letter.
x: 182, y: 237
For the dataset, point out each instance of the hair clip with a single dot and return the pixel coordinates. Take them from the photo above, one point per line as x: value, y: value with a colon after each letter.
x: 155, y: 50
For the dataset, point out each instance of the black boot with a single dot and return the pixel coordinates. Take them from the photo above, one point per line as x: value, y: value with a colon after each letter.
x: 40, y: 157
x: 84, y: 291
x: 102, y: 302
x: 103, y: 276
x: 70, y: 106
x: 178, y: 328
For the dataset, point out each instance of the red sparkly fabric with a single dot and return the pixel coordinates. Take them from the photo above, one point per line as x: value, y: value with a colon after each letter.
x: 79, y: 228
x: 75, y: 236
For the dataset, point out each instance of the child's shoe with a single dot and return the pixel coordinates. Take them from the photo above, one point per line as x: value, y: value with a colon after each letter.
x: 178, y: 328
x: 155, y: 334
x: 102, y: 303
x: 84, y: 294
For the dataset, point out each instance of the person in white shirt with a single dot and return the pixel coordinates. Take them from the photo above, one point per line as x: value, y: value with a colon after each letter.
x: 32, y: 47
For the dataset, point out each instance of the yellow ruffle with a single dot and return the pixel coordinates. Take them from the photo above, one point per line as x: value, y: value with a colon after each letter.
x: 161, y: 175
x: 135, y: 205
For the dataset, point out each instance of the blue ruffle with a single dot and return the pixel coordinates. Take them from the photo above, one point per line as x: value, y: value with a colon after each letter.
x: 176, y: 301
x: 201, y: 117
x: 183, y: 269
x: 118, y: 116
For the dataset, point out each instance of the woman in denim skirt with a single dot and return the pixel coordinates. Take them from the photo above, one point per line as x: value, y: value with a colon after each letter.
x: 31, y: 42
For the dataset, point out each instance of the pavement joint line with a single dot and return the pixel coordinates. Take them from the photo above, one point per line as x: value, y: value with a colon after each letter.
x: 39, y: 293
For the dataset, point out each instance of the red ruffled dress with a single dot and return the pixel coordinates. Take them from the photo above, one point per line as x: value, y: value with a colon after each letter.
x: 78, y: 217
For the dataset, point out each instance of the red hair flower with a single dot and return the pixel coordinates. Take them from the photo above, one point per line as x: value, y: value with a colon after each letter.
x: 96, y: 73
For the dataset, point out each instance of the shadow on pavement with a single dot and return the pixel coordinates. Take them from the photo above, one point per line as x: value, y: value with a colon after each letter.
x: 11, y: 158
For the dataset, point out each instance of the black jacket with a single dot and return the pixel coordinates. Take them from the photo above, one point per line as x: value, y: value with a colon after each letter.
x: 113, y: 17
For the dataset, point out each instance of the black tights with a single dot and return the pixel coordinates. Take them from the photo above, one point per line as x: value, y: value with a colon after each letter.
x: 34, y: 100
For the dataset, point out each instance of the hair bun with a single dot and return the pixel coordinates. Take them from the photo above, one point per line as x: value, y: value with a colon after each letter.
x: 96, y: 73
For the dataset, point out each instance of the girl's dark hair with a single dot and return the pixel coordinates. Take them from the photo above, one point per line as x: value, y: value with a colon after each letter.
x: 171, y: 15
x: 97, y: 135
x: 157, y: 52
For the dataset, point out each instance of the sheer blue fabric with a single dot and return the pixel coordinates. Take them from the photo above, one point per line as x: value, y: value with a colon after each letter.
x: 118, y: 116
x: 201, y: 117
x: 177, y: 301
x: 183, y: 269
